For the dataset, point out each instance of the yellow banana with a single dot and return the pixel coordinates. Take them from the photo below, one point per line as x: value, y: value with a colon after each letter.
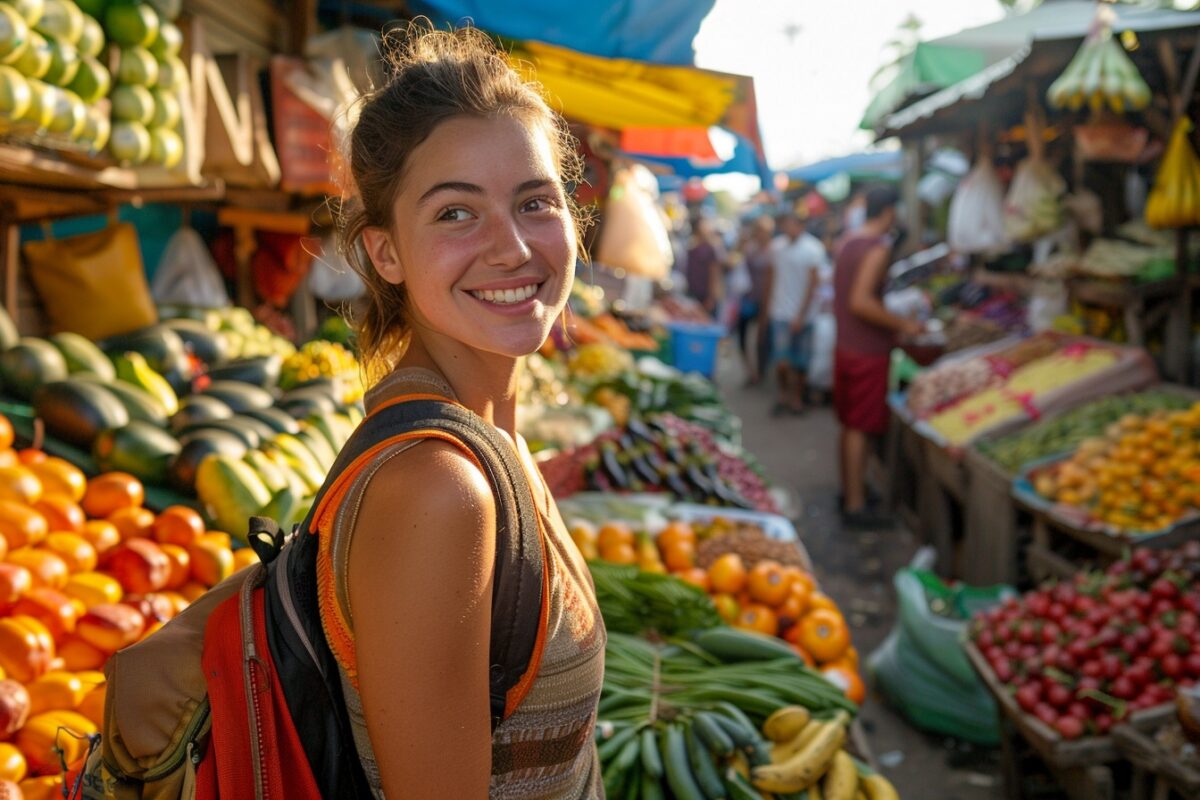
x: 841, y: 781
x: 878, y: 787
x: 783, y: 751
x: 804, y: 769
x: 786, y: 723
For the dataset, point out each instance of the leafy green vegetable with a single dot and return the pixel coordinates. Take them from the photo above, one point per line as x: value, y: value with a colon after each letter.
x: 633, y: 601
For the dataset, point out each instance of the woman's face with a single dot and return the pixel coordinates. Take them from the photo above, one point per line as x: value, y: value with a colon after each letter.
x: 483, y: 237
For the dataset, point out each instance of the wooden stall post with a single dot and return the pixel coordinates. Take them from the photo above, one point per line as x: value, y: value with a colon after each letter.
x: 245, y: 222
x: 10, y: 252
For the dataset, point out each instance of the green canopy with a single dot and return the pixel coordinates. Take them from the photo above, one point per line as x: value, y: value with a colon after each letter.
x: 926, y: 69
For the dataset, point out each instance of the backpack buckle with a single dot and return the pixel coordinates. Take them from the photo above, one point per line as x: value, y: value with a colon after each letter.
x: 266, y: 538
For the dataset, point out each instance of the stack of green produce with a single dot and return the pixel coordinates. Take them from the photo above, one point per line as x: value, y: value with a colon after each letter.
x: 682, y: 719
x: 51, y: 73
x: 1066, y: 431
x: 151, y: 81
x: 633, y: 601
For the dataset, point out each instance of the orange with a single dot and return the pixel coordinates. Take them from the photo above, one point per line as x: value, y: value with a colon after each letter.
x: 21, y: 525
x: 102, y: 535
x: 181, y: 564
x: 30, y: 456
x: 727, y: 574
x: 679, y: 555
x: 111, y: 491
x: 12, y: 761
x: 61, y: 476
x: 817, y: 600
x: 244, y: 557
x: 6, y: 433
x: 767, y: 582
x: 133, y: 522
x: 612, y: 534
x: 676, y: 531
x: 795, y: 605
x: 696, y: 577
x: 8, y: 458
x: 19, y: 484
x: 755, y: 617
x: 727, y: 607
x: 72, y: 548
x: 848, y: 681
x: 805, y: 656
x: 179, y: 525
x: 61, y: 512
x: 620, y: 553
x: 824, y: 634
x: 46, y: 567
x: 584, y: 536
x: 796, y: 575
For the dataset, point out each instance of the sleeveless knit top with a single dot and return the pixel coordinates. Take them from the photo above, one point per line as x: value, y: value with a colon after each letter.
x: 545, y: 749
x: 856, y: 335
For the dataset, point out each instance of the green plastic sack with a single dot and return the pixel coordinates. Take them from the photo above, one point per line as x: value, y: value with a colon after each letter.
x: 934, y: 616
x: 929, y: 698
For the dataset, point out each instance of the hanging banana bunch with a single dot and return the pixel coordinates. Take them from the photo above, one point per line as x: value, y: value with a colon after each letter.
x: 1100, y: 74
x: 1174, y: 201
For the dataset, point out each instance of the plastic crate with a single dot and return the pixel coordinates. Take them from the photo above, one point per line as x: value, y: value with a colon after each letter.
x: 694, y: 347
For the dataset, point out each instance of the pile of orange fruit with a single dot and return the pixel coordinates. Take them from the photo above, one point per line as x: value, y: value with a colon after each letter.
x: 85, y: 569
x: 767, y: 597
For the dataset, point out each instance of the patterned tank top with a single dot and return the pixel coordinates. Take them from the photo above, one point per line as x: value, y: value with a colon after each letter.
x: 545, y: 749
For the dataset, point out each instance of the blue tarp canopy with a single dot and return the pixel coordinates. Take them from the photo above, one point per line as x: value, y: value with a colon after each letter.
x: 886, y: 164
x: 744, y: 159
x: 656, y: 31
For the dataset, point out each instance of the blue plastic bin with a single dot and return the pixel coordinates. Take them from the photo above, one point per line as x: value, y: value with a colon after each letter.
x: 694, y: 347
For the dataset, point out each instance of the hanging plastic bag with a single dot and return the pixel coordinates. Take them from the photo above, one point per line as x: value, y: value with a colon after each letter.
x: 331, y: 278
x: 824, y: 337
x: 634, y: 236
x: 187, y: 274
x: 976, y: 223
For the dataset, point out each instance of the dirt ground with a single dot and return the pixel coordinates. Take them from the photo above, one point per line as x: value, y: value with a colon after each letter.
x: 855, y: 568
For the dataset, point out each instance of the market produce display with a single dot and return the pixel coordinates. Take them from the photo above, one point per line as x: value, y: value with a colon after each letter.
x: 1064, y: 432
x: 1141, y: 475
x: 85, y: 569
x: 724, y: 714
x: 1100, y: 75
x: 661, y: 453
x: 944, y: 384
x: 1174, y: 202
x: 1082, y: 655
x: 664, y: 589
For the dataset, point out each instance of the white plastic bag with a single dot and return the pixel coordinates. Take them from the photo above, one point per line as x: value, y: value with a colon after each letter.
x: 976, y: 223
x: 820, y: 366
x: 1033, y: 207
x: 634, y: 236
x: 187, y: 274
x: 331, y: 278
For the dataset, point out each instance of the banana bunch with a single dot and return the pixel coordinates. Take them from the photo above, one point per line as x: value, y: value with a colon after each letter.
x: 599, y: 360
x: 1174, y: 202
x: 1100, y: 73
x: 323, y: 359
x: 807, y: 756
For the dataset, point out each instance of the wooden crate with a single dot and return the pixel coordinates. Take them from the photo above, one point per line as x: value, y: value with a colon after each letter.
x: 941, y: 499
x: 994, y: 528
x: 1157, y: 774
x: 902, y: 468
x: 1082, y: 767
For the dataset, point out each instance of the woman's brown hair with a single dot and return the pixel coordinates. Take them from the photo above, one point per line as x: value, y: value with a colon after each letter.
x: 433, y: 76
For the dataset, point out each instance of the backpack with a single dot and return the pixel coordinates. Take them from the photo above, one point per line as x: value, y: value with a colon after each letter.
x: 249, y: 662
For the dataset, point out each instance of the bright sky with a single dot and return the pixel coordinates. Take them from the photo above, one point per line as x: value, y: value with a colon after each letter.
x: 812, y: 91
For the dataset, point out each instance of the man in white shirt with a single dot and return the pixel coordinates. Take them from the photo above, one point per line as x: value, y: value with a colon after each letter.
x: 795, y: 258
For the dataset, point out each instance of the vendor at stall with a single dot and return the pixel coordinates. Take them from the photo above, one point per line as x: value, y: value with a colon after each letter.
x: 866, y: 333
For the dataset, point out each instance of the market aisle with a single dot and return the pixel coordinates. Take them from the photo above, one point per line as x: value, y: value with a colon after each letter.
x: 854, y: 568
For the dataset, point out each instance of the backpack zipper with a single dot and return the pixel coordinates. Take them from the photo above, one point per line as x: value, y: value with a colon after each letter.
x: 249, y: 659
x: 198, y: 727
x: 289, y: 608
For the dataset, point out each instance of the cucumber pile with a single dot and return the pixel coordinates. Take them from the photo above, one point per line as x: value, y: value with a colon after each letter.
x: 682, y: 719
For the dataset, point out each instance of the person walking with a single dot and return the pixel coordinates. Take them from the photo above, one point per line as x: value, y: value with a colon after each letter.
x: 866, y: 333
x: 460, y: 171
x: 705, y: 266
x: 795, y: 258
x: 752, y: 312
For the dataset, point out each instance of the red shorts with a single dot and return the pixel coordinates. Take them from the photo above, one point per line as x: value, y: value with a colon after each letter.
x: 860, y: 391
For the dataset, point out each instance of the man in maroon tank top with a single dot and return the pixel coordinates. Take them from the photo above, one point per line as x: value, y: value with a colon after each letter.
x: 866, y: 333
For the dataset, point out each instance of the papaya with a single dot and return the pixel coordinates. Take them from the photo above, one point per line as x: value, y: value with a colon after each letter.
x: 140, y: 404
x: 272, y: 475
x: 285, y: 507
x: 355, y: 412
x: 77, y: 411
x: 133, y: 368
x: 182, y: 473
x: 335, y: 428
x: 301, y: 403
x: 139, y: 448
x: 292, y: 452
x: 160, y: 346
x: 238, y: 426
x: 198, y: 408
x: 277, y: 419
x: 206, y: 345
x: 241, y: 397
x: 8, y: 330
x: 318, y: 445
x: 29, y: 364
x: 262, y: 371
x: 83, y: 356
x: 232, y: 491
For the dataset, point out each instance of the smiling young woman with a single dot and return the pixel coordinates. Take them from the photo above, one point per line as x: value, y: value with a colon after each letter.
x: 462, y: 228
